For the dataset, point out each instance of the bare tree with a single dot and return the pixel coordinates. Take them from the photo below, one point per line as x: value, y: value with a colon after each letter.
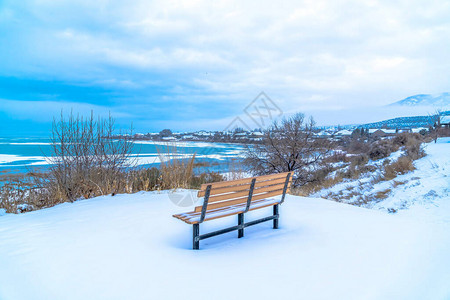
x: 288, y: 145
x: 86, y: 160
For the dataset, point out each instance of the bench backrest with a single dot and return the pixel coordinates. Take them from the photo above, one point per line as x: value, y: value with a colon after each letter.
x: 227, y: 193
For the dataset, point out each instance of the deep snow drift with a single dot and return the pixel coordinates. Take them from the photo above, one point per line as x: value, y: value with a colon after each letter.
x: 130, y: 247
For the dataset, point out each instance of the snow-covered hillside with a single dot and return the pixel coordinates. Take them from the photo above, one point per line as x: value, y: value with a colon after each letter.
x: 441, y: 100
x: 424, y: 188
x: 130, y: 247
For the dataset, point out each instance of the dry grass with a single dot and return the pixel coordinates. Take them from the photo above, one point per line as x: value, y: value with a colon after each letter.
x: 402, y: 166
x: 176, y: 170
x: 396, y: 183
x: 236, y: 170
x: 315, y: 186
x: 33, y: 191
x: 381, y: 195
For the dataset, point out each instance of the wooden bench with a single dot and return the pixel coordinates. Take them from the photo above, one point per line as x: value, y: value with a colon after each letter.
x: 236, y: 197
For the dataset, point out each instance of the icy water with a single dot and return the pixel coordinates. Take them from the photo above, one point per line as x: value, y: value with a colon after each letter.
x: 23, y: 154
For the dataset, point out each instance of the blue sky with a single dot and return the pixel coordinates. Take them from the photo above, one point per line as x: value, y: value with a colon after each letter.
x: 196, y: 64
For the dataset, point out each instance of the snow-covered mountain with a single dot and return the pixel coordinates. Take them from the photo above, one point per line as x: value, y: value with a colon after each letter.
x: 441, y: 100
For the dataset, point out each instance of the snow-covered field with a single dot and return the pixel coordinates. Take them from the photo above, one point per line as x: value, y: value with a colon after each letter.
x: 130, y: 247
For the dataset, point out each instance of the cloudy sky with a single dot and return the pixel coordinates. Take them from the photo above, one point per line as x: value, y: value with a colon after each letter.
x: 197, y: 64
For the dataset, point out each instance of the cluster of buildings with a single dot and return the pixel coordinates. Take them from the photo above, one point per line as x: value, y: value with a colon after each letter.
x: 243, y: 136
x: 203, y: 135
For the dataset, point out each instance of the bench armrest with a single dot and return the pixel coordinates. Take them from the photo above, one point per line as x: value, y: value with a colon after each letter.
x: 250, y: 195
x: 286, y: 184
x: 205, y: 203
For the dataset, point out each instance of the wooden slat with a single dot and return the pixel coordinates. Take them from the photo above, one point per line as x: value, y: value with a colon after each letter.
x: 241, y: 187
x: 270, y: 182
x: 234, y: 195
x: 227, y: 183
x: 268, y: 188
x: 193, y: 214
x: 243, y: 181
x: 223, y: 204
x: 257, y: 196
x: 228, y: 189
x: 269, y: 194
x: 227, y: 196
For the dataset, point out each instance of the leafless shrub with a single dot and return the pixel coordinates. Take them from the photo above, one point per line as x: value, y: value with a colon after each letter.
x: 288, y: 145
x: 359, y: 160
x: 207, y: 177
x: 358, y: 146
x: 381, y: 149
x: 176, y: 168
x: 367, y: 168
x: 414, y: 149
x: 337, y: 156
x: 236, y: 170
x: 141, y: 179
x: 353, y: 172
x: 86, y: 161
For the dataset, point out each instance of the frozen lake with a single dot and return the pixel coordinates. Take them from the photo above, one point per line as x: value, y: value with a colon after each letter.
x: 21, y: 154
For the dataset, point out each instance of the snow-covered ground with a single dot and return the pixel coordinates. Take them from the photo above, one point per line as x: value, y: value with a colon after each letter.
x: 426, y: 190
x: 423, y: 189
x: 130, y: 247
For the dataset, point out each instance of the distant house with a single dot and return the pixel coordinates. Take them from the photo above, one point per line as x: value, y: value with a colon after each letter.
x: 389, y: 131
x: 169, y: 138
x: 381, y: 132
x: 323, y: 134
x: 377, y: 133
x: 418, y: 129
x: 445, y: 121
x: 344, y: 132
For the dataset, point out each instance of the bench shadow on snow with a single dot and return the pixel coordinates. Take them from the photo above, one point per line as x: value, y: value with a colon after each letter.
x: 181, y: 236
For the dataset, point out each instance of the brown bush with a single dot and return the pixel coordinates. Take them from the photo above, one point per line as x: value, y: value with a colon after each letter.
x: 203, y: 178
x: 402, y: 166
x: 315, y: 186
x: 414, y: 149
x: 359, y: 160
x: 358, y: 146
x: 381, y: 149
x: 353, y: 172
x: 336, y: 157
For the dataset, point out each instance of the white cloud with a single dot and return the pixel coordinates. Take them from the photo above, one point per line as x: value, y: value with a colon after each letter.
x: 340, y: 53
x: 44, y: 111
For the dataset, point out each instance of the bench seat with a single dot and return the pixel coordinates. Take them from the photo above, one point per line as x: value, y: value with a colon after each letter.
x: 194, y: 217
x: 237, y: 197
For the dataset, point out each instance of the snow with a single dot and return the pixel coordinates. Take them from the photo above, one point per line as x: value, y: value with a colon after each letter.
x: 130, y: 247
x: 426, y: 189
x: 344, y: 132
x: 419, y: 129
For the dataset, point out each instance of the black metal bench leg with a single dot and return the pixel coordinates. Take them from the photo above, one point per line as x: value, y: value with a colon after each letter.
x: 196, y: 233
x: 275, y: 213
x: 240, y: 223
